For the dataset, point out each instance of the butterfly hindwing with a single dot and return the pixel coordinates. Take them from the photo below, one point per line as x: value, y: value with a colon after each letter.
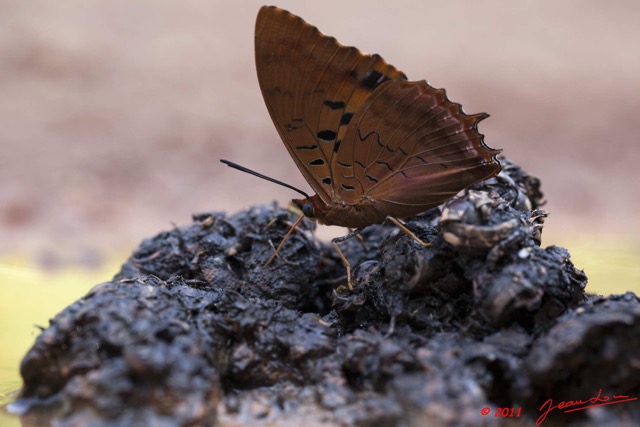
x: 413, y: 149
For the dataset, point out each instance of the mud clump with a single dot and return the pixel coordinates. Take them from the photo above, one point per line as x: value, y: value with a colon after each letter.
x: 195, y: 331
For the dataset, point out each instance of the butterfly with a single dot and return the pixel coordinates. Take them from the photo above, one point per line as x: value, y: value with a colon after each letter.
x: 372, y: 145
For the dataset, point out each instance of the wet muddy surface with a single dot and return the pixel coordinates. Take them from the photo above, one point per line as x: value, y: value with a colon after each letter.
x: 193, y: 330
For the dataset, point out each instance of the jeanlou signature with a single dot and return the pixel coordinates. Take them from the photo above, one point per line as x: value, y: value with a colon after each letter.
x: 578, y: 405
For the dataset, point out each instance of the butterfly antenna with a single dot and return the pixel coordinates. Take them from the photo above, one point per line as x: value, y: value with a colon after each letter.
x: 259, y: 175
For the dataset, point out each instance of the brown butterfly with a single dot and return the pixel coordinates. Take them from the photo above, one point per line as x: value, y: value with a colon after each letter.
x: 372, y: 145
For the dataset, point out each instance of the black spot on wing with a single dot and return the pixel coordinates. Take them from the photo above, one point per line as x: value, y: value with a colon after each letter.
x: 348, y: 187
x: 362, y: 165
x: 327, y: 180
x: 296, y: 123
x: 327, y: 135
x: 316, y: 162
x: 334, y: 105
x: 336, y: 147
x: 372, y: 79
x: 385, y: 164
x: 345, y: 119
x: 306, y: 147
x: 370, y: 178
x: 344, y: 165
x: 373, y: 132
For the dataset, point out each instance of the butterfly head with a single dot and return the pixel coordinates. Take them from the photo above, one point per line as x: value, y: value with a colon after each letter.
x: 309, y: 206
x: 342, y: 215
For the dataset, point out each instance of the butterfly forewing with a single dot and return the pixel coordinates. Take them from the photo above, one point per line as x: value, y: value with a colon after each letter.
x: 360, y: 133
x: 313, y: 86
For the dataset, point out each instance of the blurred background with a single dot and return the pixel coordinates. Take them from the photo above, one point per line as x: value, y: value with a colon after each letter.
x: 113, y: 116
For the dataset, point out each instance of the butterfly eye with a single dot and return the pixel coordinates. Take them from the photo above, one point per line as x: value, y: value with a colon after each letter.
x: 307, y: 210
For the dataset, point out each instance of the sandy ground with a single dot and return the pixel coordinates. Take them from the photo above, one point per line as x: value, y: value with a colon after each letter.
x: 114, y: 114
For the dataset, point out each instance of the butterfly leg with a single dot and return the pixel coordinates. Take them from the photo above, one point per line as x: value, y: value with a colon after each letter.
x: 335, y: 242
x: 284, y: 239
x: 404, y: 228
x: 360, y: 239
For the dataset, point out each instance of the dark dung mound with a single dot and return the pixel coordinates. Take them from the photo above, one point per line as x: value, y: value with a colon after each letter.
x: 193, y: 330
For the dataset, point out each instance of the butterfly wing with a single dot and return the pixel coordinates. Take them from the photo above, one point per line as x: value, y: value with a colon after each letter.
x: 409, y: 148
x: 313, y: 86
